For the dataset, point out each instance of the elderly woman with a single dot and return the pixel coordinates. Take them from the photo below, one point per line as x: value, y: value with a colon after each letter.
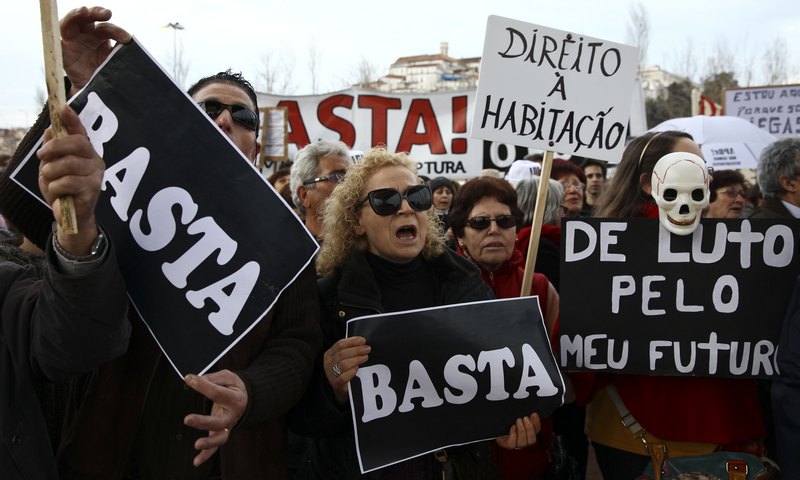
x: 727, y: 190
x: 383, y: 251
x: 572, y: 178
x: 484, y: 219
x: 548, y: 257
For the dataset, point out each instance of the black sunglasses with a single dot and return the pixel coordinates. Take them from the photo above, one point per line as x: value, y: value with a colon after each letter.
x: 387, y: 201
x: 334, y: 178
x: 239, y: 113
x: 482, y: 223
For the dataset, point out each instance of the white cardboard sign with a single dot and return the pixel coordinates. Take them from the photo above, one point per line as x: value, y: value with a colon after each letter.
x: 554, y: 90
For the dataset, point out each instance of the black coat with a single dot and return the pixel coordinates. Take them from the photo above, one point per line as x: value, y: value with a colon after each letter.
x: 53, y: 329
x: 353, y: 292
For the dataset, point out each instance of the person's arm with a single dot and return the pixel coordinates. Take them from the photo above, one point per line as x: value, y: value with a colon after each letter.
x: 79, y: 320
x: 274, y: 381
x: 76, y: 317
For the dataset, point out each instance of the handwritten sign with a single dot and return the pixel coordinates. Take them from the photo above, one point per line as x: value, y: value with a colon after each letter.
x: 773, y: 109
x: 554, y: 90
x: 638, y: 299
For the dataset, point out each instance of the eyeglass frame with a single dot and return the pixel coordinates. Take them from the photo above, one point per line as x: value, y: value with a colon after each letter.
x: 339, y: 176
x: 403, y: 196
x: 727, y: 192
x: 580, y: 186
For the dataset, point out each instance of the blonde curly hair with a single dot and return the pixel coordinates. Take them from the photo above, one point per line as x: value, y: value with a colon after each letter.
x: 342, y: 212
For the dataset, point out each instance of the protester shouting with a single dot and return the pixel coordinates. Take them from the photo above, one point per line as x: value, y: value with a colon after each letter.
x: 383, y: 251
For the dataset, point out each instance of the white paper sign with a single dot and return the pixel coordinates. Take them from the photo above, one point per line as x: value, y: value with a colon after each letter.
x: 554, y: 90
x: 773, y: 109
x: 727, y: 156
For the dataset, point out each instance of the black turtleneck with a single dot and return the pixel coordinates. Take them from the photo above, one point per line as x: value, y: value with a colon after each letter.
x: 404, y: 286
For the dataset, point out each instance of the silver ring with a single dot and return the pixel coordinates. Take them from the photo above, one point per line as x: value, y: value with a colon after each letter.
x: 336, y: 370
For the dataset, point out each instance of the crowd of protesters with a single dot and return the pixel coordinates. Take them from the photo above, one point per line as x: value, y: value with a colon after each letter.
x: 391, y: 241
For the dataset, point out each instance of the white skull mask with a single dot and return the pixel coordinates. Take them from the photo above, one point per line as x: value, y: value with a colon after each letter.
x: 680, y: 187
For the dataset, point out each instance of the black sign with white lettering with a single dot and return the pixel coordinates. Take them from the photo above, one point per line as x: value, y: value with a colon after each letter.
x: 636, y: 298
x: 448, y: 376
x: 206, y: 246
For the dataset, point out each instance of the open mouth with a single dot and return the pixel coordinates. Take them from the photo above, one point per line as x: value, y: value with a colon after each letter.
x: 406, y: 232
x: 681, y: 223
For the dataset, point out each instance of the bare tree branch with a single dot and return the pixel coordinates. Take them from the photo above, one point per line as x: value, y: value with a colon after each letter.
x: 720, y: 60
x: 639, y: 30
x: 275, y: 74
x: 774, y: 62
x: 683, y: 62
x: 313, y: 67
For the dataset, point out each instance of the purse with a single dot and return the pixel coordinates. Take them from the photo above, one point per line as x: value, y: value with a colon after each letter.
x: 712, y: 466
x: 467, y: 462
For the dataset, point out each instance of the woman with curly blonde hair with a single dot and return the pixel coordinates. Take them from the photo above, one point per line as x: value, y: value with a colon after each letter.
x: 341, y: 219
x: 383, y: 251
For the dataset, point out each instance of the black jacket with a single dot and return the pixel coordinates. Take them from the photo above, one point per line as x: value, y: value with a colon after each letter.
x: 54, y: 329
x: 353, y: 292
x: 771, y: 208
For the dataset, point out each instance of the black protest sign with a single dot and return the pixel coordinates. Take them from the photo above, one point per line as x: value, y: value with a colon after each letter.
x: 448, y: 376
x: 636, y: 298
x: 205, y: 245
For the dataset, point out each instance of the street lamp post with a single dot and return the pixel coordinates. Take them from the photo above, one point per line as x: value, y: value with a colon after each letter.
x: 175, y: 26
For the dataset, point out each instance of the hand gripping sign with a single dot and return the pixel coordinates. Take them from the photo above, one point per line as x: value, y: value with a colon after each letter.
x: 447, y: 376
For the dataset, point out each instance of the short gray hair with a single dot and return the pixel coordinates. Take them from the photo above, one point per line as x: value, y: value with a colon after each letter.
x: 780, y: 159
x: 528, y: 189
x: 306, y: 164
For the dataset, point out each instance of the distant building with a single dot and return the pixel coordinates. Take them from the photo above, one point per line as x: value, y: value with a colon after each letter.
x: 10, y: 138
x: 655, y: 80
x: 430, y: 73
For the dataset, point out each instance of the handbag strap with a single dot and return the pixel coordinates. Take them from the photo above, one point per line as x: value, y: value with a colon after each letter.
x: 628, y: 420
x: 658, y: 454
x: 737, y: 469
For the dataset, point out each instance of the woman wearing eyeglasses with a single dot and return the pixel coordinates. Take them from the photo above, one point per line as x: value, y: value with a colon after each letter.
x: 484, y: 218
x: 572, y: 178
x: 383, y: 251
x: 727, y: 195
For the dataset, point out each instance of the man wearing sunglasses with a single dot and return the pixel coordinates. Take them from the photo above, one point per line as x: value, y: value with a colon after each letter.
x: 316, y: 171
x: 229, y: 100
x: 133, y: 418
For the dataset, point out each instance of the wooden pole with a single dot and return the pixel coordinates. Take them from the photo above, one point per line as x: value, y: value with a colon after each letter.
x: 53, y: 70
x: 536, y: 228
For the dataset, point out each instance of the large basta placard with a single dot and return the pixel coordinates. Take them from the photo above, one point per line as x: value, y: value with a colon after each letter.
x: 446, y: 376
x: 205, y: 245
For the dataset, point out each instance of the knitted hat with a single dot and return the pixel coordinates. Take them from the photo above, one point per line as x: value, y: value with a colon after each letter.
x: 440, y: 182
x: 26, y: 212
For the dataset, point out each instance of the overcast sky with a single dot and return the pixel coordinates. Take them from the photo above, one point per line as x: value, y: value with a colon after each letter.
x: 238, y: 33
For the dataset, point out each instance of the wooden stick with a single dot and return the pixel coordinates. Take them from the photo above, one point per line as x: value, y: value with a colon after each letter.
x: 53, y: 70
x: 536, y: 228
